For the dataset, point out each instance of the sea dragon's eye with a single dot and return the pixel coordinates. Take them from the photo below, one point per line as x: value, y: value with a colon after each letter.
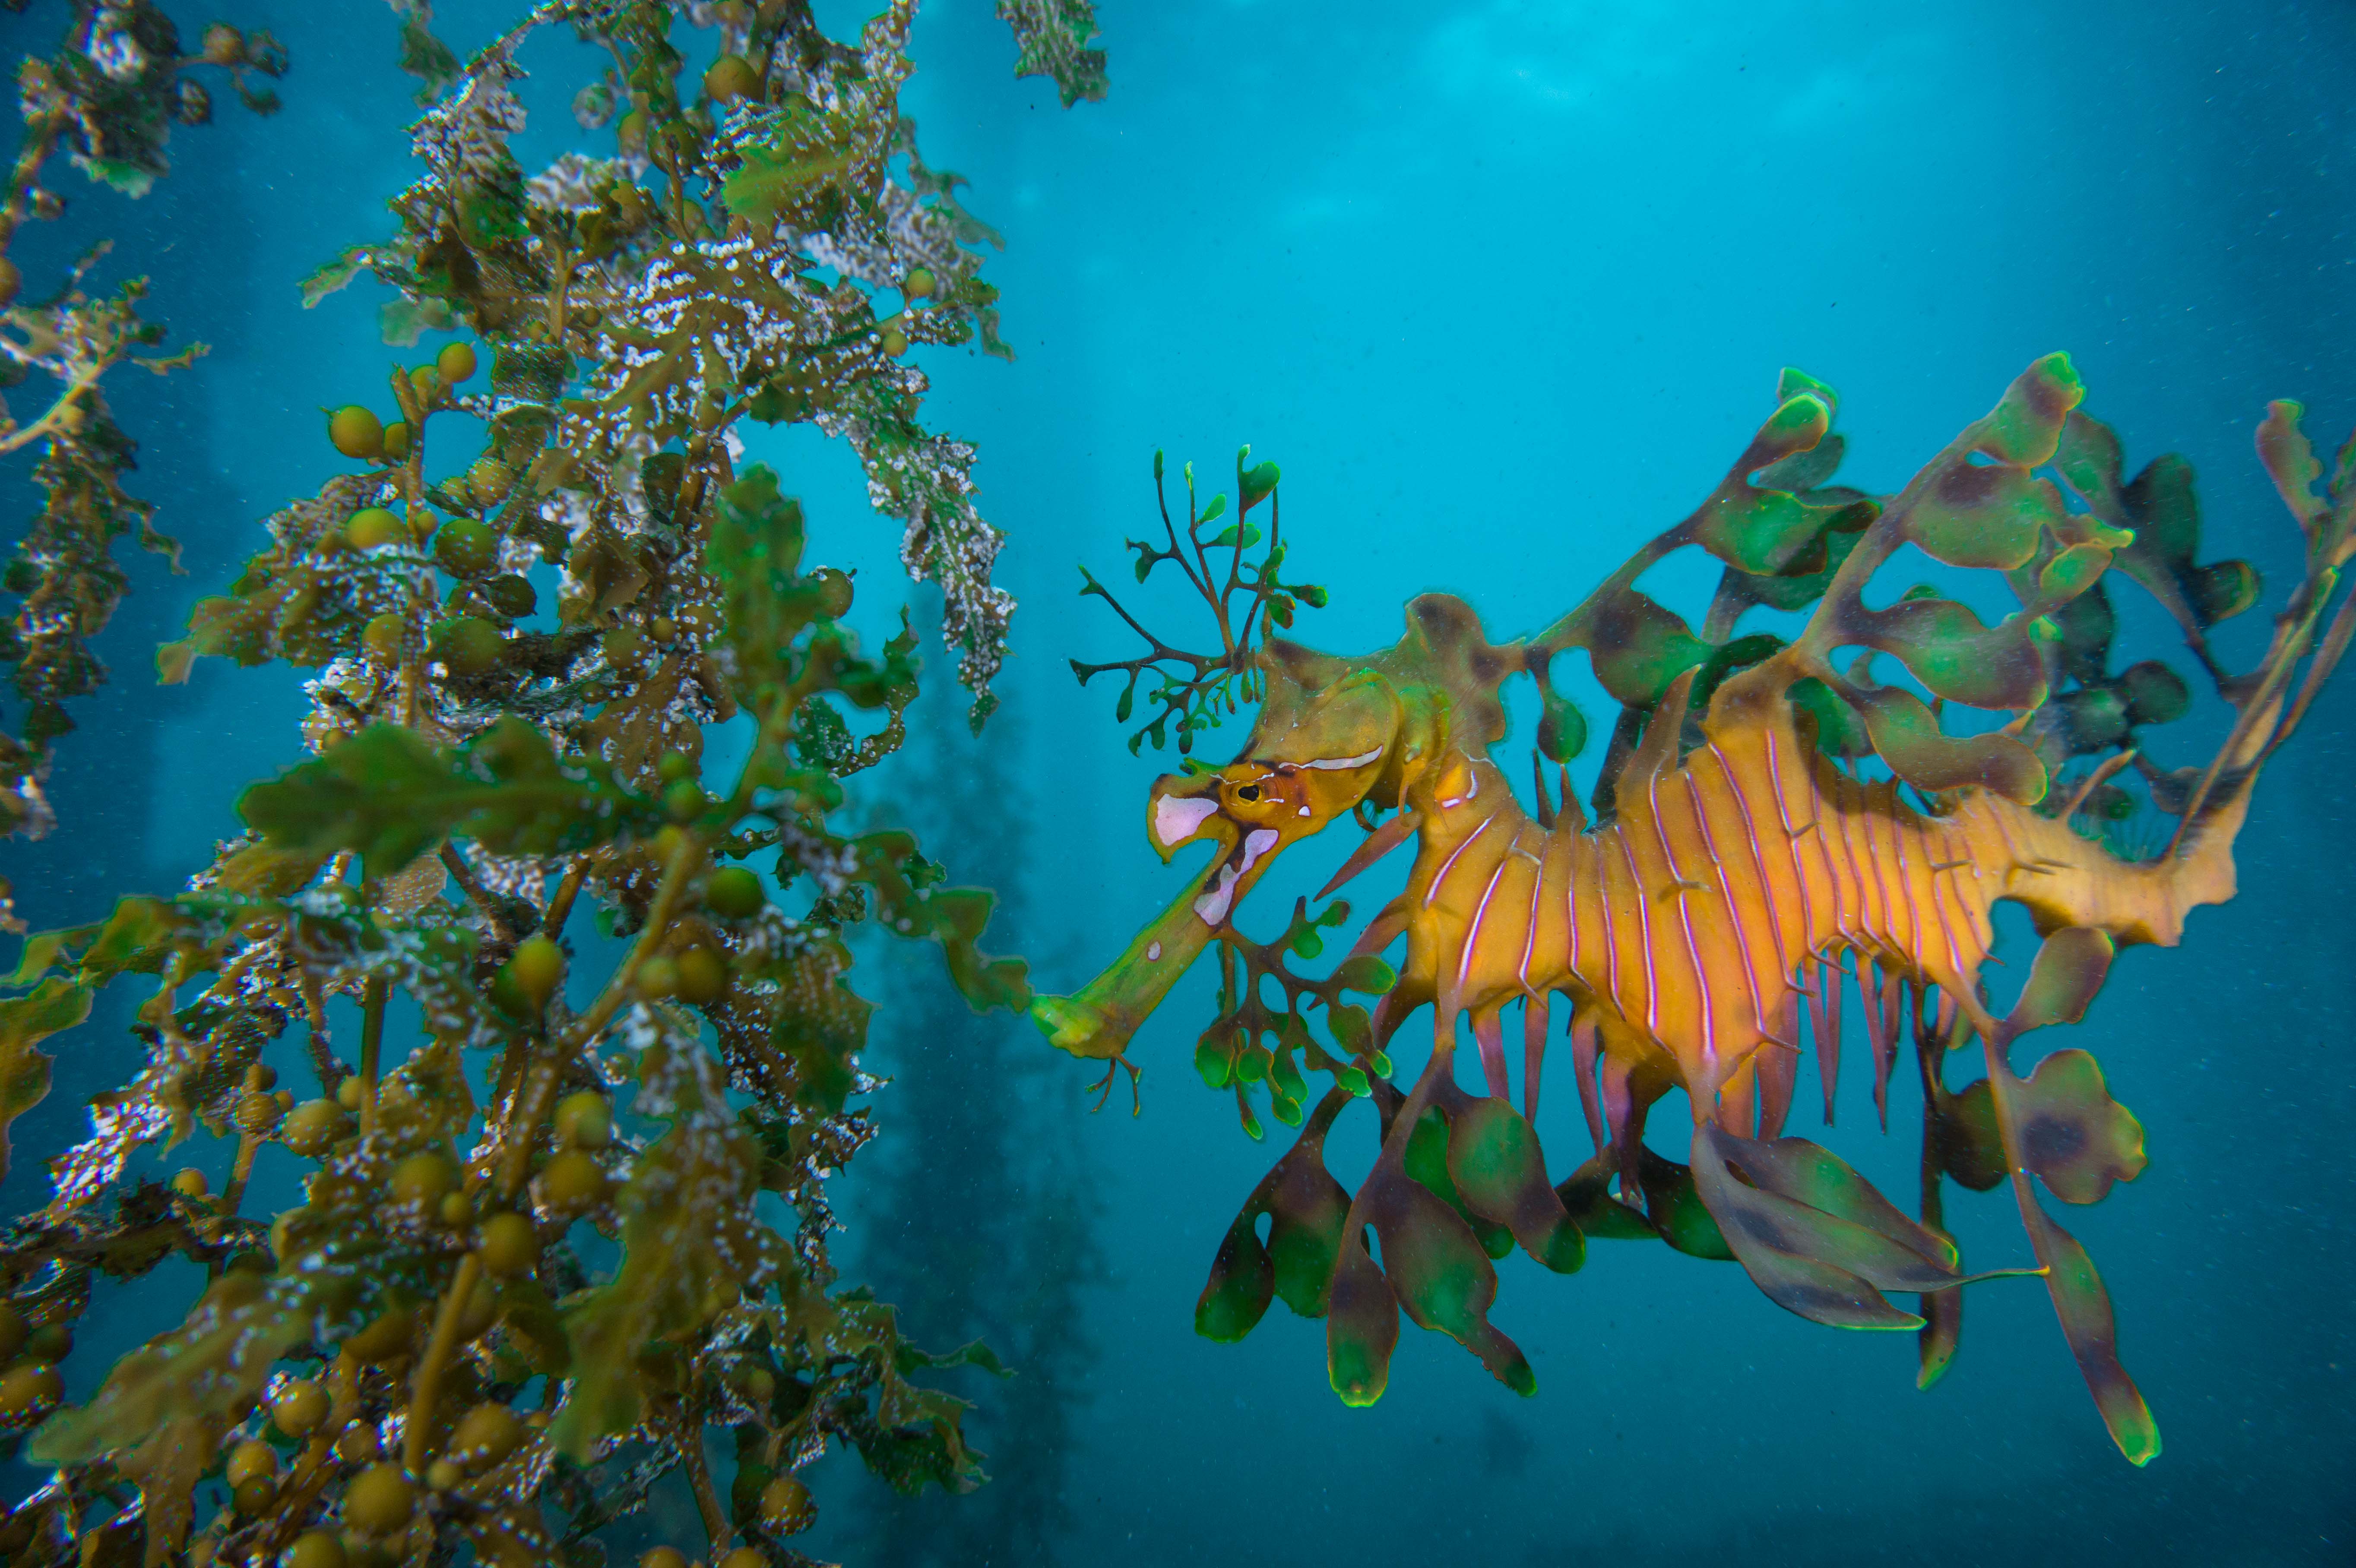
x: 1249, y: 792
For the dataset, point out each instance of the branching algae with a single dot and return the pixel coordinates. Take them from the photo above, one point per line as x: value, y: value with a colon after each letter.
x: 1745, y: 862
x: 108, y: 100
x: 415, y: 1361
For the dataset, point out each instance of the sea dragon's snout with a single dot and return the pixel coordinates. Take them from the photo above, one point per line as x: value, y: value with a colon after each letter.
x: 1315, y: 755
x: 1097, y: 1021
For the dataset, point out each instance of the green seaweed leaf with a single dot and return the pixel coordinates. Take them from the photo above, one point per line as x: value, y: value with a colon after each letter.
x: 530, y: 372
x: 1053, y: 39
x: 334, y: 276
x: 793, y: 164
x: 54, y: 1007
x: 392, y: 796
x: 425, y: 57
x: 212, y: 1366
x: 166, y: 1466
x: 954, y: 917
x: 755, y: 551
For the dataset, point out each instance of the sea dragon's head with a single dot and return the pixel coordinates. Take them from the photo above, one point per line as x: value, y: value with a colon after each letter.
x: 1319, y: 747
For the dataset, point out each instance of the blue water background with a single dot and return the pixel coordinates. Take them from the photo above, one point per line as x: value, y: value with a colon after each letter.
x: 1504, y: 288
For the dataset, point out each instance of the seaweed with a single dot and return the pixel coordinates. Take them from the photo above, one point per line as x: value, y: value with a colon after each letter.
x: 569, y: 991
x: 107, y: 99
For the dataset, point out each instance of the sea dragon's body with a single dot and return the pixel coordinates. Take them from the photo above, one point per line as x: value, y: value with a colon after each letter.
x: 1738, y: 872
x: 1686, y: 931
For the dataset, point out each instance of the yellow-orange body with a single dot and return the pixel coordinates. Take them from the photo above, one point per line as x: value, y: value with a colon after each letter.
x: 1685, y: 929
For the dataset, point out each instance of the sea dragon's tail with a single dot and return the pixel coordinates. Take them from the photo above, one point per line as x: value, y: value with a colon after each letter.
x: 2066, y: 880
x: 1977, y: 506
x: 2058, y: 1124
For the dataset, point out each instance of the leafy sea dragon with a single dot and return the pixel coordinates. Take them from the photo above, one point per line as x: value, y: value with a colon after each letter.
x: 1746, y: 857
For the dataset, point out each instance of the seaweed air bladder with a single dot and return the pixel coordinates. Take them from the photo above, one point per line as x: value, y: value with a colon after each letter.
x: 550, y: 1235
x: 1772, y: 831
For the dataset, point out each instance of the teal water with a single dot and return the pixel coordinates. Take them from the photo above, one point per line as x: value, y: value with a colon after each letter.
x: 1504, y: 288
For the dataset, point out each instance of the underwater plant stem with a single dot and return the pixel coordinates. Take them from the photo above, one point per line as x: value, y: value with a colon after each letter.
x: 411, y: 674
x: 552, y: 923
x: 323, y: 1053
x: 670, y: 167
x: 707, y: 1501
x: 534, y: 1102
x: 241, y: 1169
x: 413, y: 485
x: 776, y: 723
x: 318, y: 1464
x: 684, y: 861
x: 53, y: 421
x: 699, y: 451
x: 426, y: 1386
x: 313, y: 1464
x: 373, y: 1002
x: 559, y: 297
x: 507, y: 1083
x: 531, y: 1106
x: 463, y: 875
